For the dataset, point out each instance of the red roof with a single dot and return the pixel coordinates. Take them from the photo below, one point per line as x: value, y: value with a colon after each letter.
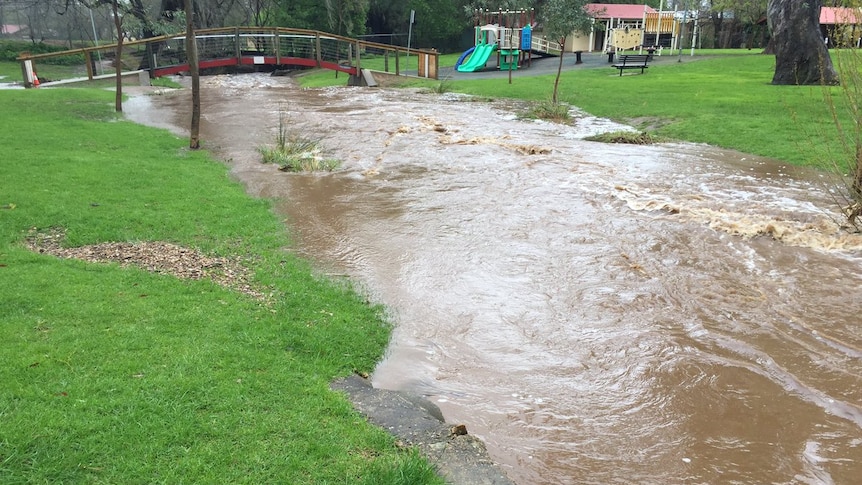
x: 618, y: 10
x: 839, y: 15
x: 10, y: 29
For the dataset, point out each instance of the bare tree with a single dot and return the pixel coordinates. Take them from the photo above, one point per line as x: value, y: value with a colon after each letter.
x: 801, y: 56
x: 844, y: 145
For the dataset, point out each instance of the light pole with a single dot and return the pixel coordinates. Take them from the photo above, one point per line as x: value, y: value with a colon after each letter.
x: 96, y: 39
x: 410, y: 35
x: 682, y: 29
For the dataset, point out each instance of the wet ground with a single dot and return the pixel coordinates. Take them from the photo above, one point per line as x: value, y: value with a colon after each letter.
x: 595, y: 313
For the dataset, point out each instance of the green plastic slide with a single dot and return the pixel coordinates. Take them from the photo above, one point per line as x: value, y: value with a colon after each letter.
x: 478, y: 58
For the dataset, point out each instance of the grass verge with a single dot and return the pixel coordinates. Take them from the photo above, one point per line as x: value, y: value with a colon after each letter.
x: 120, y: 375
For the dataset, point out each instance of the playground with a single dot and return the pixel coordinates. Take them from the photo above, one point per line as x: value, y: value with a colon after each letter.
x: 508, y: 41
x: 507, y: 38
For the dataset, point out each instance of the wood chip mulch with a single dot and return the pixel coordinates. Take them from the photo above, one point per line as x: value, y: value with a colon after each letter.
x: 153, y: 256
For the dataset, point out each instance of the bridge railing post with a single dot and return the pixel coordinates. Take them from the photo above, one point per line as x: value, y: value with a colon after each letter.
x: 88, y: 59
x: 317, y: 55
x: 277, y: 45
x: 236, y: 44
x: 397, y: 62
x: 358, y: 59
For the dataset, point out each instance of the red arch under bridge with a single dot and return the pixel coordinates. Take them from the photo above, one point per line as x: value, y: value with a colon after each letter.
x: 234, y: 46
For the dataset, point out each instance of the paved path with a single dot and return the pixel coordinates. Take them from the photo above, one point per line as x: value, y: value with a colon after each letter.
x: 548, y: 65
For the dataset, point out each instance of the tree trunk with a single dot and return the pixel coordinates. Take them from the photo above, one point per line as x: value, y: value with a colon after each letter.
x: 194, y: 69
x: 118, y: 61
x: 559, y: 70
x: 801, y: 56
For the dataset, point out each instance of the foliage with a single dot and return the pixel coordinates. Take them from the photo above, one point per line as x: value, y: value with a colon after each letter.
x: 565, y: 17
x: 496, y: 5
x: 344, y: 17
x: 11, y: 49
x: 146, y: 27
x: 438, y: 23
x: 562, y: 18
x: 120, y: 375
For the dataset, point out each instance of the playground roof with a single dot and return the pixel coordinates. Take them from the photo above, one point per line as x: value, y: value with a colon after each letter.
x: 839, y: 15
x: 618, y: 10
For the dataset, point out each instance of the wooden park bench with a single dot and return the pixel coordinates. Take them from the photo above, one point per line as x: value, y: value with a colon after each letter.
x: 633, y: 61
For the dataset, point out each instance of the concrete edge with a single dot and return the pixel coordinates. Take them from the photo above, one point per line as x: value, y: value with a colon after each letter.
x: 459, y: 457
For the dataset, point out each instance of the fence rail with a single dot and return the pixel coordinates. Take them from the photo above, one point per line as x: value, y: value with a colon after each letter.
x: 231, y: 46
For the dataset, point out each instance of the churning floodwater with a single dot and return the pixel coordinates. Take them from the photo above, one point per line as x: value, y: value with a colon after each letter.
x: 595, y: 313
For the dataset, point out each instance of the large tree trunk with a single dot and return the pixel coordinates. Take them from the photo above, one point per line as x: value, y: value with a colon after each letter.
x: 801, y: 56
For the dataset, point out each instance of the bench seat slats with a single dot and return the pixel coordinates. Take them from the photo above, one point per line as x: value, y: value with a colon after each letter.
x: 633, y: 61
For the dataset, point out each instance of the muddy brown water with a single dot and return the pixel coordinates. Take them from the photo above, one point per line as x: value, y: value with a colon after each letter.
x: 595, y: 313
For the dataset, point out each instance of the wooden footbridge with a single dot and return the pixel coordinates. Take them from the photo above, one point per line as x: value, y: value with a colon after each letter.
x: 234, y: 46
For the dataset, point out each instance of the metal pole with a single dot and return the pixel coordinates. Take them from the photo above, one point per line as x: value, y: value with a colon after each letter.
x: 681, y: 29
x: 96, y: 40
x: 659, y: 23
x: 410, y: 36
x: 694, y: 34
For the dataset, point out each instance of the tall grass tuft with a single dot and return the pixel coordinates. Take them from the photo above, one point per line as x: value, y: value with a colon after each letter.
x: 408, y: 469
x: 628, y: 137
x: 442, y: 87
x: 294, y: 152
x: 550, y: 111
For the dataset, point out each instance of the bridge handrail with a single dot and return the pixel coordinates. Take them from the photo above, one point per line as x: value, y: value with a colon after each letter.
x: 231, y: 30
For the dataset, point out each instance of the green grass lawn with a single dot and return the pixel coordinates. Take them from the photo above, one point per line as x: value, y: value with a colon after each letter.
x: 717, y: 97
x: 120, y: 375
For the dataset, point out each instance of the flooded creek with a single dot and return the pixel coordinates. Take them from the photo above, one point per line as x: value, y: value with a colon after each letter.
x: 595, y: 313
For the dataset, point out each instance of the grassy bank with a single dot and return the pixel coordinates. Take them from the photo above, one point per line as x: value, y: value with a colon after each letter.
x: 715, y: 98
x: 723, y: 101
x: 117, y: 374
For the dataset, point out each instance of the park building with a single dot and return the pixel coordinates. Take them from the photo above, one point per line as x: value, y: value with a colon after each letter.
x: 619, y: 27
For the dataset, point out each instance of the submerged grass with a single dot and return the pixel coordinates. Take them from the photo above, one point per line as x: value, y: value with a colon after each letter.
x: 119, y: 375
x: 626, y: 137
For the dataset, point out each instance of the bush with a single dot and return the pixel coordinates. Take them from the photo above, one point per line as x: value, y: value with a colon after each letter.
x: 11, y: 49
